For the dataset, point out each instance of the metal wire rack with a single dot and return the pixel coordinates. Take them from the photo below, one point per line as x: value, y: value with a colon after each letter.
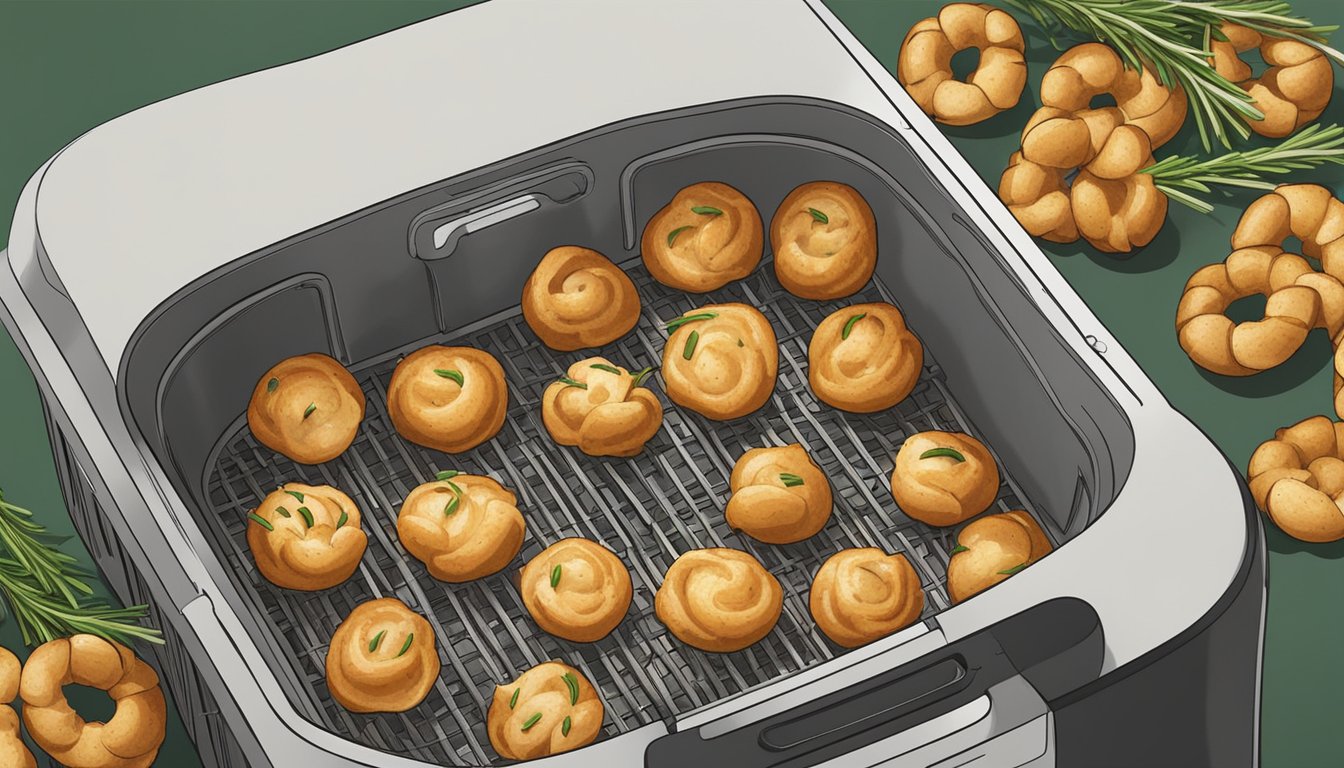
x: 647, y: 509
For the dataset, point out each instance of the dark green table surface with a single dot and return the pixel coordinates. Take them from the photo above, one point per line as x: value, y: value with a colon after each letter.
x: 68, y: 66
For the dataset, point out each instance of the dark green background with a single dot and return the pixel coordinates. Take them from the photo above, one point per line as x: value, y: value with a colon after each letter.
x: 68, y: 66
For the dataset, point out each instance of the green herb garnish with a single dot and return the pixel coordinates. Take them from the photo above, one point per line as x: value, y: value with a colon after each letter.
x: 272, y: 385
x: 283, y: 512
x: 684, y: 319
x: 307, y: 516
x: 564, y: 727
x: 690, y: 345
x: 568, y: 382
x: 451, y: 506
x: 447, y: 474
x: 950, y: 453
x: 296, y: 495
x: 642, y: 374
x: 555, y: 576
x: 342, y: 519
x: 849, y: 325
x: 406, y: 646
x: 819, y: 216
x: 513, y: 700
x: 377, y: 640
x: 607, y: 368
x: 706, y: 210
x: 672, y: 236
x: 259, y: 520
x: 531, y: 721
x: 789, y: 479
x: 572, y: 683
x: 454, y: 375
x: 309, y: 410
x: 1014, y: 569
x: 960, y: 548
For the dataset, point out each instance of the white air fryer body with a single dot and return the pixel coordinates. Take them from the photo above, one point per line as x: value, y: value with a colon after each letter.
x: 131, y: 213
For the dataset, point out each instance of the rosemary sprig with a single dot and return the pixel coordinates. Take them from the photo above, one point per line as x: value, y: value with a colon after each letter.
x: 1179, y: 178
x: 47, y: 590
x: 1173, y: 37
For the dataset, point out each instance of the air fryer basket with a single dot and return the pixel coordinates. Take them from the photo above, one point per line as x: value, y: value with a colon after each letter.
x: 374, y: 286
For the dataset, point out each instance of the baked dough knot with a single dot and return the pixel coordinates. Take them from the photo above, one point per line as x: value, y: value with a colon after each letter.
x: 862, y: 594
x: 779, y: 495
x: 307, y: 408
x: 576, y: 298
x: 1297, y: 478
x: 720, y: 360
x: 718, y: 600
x: 824, y: 239
x: 944, y: 478
x: 551, y: 708
x: 577, y: 589
x: 992, y: 549
x: 129, y: 739
x: 863, y: 358
x: 450, y: 399
x: 382, y: 658
x: 1292, y: 92
x: 924, y: 67
x: 13, y: 752
x: 462, y: 527
x: 709, y: 235
x: 306, y: 537
x: 601, y: 408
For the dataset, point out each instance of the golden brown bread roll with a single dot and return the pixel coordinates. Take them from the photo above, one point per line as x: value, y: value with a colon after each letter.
x: 450, y: 399
x: 1308, y: 212
x: 306, y: 537
x: 824, y: 238
x: 1118, y: 215
x: 720, y: 360
x: 134, y: 733
x: 1038, y: 197
x: 991, y: 549
x: 306, y: 407
x: 1291, y: 92
x: 718, y: 600
x: 924, y: 67
x: 1089, y: 70
x: 382, y: 658
x: 1294, y: 306
x: 13, y: 752
x: 551, y: 708
x: 862, y: 594
x: 1298, y: 479
x: 944, y: 478
x: 462, y: 527
x: 576, y: 298
x: 601, y: 408
x: 708, y: 236
x: 577, y: 589
x: 779, y: 495
x: 863, y: 359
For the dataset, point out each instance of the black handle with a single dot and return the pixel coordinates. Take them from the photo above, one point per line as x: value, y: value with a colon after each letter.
x: 1056, y: 647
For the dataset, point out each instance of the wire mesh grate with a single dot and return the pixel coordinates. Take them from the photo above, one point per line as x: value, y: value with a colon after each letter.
x: 647, y: 509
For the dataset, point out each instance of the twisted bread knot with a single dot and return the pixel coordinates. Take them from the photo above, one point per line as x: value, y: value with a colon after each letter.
x: 860, y: 595
x: 576, y: 298
x: 779, y: 495
x: 721, y: 360
x: 718, y: 600
x: 307, y: 407
x: 132, y: 736
x: 1308, y: 212
x: 1298, y: 479
x: 306, y: 537
x: 1299, y: 299
x: 708, y: 236
x: 551, y: 708
x: 599, y: 407
x: 944, y: 478
x: 462, y: 527
x: 13, y: 752
x: 862, y: 358
x: 382, y: 658
x: 577, y: 589
x: 1089, y: 70
x: 1292, y: 92
x: 991, y: 549
x: 450, y: 399
x: 824, y: 238
x: 1038, y: 197
x: 925, y: 64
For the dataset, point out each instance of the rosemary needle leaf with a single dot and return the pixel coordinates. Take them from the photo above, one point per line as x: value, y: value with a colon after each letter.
x: 259, y: 520
x: 572, y: 683
x: 377, y: 640
x: 456, y: 376
x: 950, y: 453
x: 960, y: 548
x: 790, y: 480
x: 298, y: 496
x: 307, y: 516
x: 309, y: 410
x: 513, y: 700
x: 684, y: 319
x: 849, y: 324
x: 282, y: 511
x: 406, y: 646
x: 672, y: 236
x: 555, y: 576
x: 706, y: 210
x: 340, y: 522
x: 272, y: 385
x: 446, y: 474
x: 565, y: 726
x: 531, y: 721
x: 642, y: 374
x: 607, y: 368
x: 568, y: 382
x: 1014, y: 569
x: 690, y: 345
x: 819, y: 216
